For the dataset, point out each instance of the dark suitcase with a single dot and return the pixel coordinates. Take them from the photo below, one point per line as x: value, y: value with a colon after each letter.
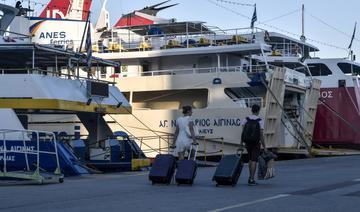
x: 162, y: 169
x: 228, y: 171
x: 186, y: 170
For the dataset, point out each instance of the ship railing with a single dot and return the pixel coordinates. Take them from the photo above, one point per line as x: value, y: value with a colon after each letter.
x: 64, y: 74
x: 285, y: 49
x: 155, y: 144
x: 192, y: 71
x: 14, y: 35
x: 249, y: 102
x: 244, y: 68
x: 8, y: 136
x: 124, y: 41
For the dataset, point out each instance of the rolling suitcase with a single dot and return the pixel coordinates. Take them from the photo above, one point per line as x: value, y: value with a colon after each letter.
x: 162, y: 169
x: 229, y: 169
x: 186, y: 170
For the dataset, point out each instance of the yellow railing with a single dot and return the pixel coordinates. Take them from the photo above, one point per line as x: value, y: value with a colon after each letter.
x: 151, y: 144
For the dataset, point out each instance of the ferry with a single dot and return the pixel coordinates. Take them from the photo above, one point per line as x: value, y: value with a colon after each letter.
x: 132, y: 42
x: 38, y: 82
x: 167, y: 64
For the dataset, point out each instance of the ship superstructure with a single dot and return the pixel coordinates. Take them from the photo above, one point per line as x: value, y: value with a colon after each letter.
x: 168, y: 64
x: 44, y: 82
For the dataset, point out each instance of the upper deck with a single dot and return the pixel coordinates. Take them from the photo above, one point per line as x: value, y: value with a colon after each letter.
x: 41, y: 78
x: 158, y: 40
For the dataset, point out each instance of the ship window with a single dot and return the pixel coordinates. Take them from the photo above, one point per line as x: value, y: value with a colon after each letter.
x: 103, y: 72
x: 247, y: 96
x: 117, y: 70
x: 170, y: 99
x: 126, y: 95
x: 348, y: 68
x: 319, y: 69
x: 145, y: 66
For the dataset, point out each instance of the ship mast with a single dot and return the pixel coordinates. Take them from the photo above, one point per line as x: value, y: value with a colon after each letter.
x: 302, y: 37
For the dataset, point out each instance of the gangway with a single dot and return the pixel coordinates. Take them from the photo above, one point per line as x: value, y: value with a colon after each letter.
x: 25, y: 155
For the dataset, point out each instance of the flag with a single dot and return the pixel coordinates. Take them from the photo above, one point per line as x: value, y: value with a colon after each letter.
x: 352, y: 37
x: 88, y: 47
x: 254, y: 18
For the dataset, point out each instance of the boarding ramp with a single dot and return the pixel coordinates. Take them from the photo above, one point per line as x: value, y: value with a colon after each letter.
x: 118, y: 152
x: 279, y: 120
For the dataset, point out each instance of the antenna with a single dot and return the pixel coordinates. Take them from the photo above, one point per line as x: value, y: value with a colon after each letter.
x: 351, y: 53
x: 302, y: 37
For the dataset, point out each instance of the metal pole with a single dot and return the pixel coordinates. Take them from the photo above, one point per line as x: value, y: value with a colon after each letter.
x: 159, y: 145
x: 204, y: 149
x: 218, y: 62
x: 187, y: 35
x: 33, y: 59
x: 78, y: 71
x: 4, y: 152
x: 56, y: 64
x: 57, y: 171
x: 302, y: 21
x: 302, y: 38
x: 25, y: 152
x: 84, y: 32
x: 38, y: 153
x: 222, y: 148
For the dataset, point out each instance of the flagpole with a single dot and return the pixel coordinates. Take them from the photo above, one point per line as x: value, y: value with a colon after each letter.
x: 84, y: 32
x: 351, y: 42
x: 253, y: 22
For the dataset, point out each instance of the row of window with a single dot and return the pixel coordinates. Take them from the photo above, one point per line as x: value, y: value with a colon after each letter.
x: 316, y: 69
x: 320, y: 69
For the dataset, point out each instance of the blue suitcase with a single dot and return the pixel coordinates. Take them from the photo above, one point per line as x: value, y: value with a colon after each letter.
x: 162, y: 169
x: 228, y: 171
x: 186, y: 170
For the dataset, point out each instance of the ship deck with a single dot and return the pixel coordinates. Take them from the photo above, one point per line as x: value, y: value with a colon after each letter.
x: 320, y: 184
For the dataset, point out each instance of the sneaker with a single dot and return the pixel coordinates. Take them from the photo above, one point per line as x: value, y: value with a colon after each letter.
x: 252, y: 183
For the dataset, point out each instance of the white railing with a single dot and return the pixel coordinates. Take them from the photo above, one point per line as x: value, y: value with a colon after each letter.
x: 286, y: 49
x: 295, y: 77
x: 59, y: 74
x: 244, y: 68
x: 8, y: 135
x: 122, y: 42
x: 185, y: 71
x: 249, y: 102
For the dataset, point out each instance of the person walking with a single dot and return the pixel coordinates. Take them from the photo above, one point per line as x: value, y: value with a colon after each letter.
x: 184, y: 133
x: 253, y: 137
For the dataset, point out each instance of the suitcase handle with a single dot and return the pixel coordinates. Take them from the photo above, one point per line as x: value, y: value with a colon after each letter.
x: 240, y: 151
x: 194, y: 146
x: 172, y: 150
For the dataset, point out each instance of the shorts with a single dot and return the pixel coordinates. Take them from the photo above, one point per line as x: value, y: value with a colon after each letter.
x: 182, y: 146
x: 253, y: 152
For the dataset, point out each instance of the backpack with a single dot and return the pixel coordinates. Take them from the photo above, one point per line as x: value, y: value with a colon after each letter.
x: 251, y: 132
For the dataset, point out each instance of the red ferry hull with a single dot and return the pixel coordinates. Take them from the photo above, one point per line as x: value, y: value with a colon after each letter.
x: 330, y: 129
